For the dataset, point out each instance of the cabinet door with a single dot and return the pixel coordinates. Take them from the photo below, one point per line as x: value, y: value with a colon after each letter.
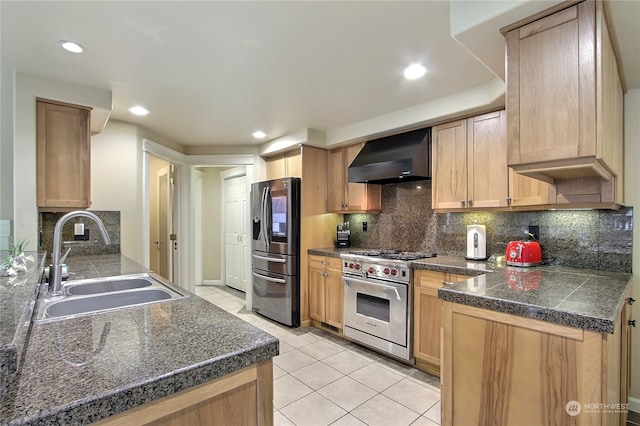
x: 337, y: 180
x: 316, y: 294
x: 356, y: 193
x: 526, y: 191
x: 427, y: 323
x: 450, y: 165
x: 293, y: 163
x: 551, y: 87
x: 488, y: 183
x: 276, y: 167
x: 334, y: 299
x: 63, y: 156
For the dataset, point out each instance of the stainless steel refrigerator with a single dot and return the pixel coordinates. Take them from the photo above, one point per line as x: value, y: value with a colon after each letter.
x: 275, y: 246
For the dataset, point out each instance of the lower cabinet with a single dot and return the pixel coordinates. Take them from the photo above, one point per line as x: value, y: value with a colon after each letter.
x: 502, y: 369
x: 326, y: 290
x: 427, y: 317
x: 241, y: 398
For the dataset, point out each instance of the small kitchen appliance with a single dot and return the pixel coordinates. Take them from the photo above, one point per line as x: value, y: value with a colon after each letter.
x: 476, y: 242
x: 524, y: 253
x: 343, y: 235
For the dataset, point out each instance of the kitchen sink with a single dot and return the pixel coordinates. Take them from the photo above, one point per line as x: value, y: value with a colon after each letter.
x: 91, y: 296
x: 107, y: 285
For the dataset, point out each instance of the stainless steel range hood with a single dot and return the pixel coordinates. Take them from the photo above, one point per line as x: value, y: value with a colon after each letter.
x: 398, y: 158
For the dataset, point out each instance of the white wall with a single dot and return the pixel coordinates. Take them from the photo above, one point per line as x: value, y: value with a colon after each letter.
x: 116, y: 182
x: 632, y: 198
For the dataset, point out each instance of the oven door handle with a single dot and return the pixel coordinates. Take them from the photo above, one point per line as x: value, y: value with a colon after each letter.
x: 386, y: 287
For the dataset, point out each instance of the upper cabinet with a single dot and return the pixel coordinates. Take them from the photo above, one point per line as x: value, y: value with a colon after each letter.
x: 565, y: 103
x: 347, y: 197
x: 288, y: 164
x: 63, y: 156
x: 470, y: 167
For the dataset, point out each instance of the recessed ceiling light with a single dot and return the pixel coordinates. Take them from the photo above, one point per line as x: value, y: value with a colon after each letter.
x: 414, y: 71
x: 138, y: 110
x: 259, y: 134
x: 70, y: 46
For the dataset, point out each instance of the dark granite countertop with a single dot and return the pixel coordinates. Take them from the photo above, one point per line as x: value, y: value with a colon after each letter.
x: 77, y: 371
x: 581, y: 298
x: 330, y: 251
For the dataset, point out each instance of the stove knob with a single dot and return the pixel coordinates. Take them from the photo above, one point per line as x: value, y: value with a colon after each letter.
x: 386, y: 271
x: 394, y: 272
x: 371, y: 270
x: 351, y: 266
x: 358, y: 266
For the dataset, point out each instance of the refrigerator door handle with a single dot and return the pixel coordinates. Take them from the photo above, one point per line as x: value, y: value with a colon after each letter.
x: 264, y: 277
x: 265, y: 217
x: 270, y: 259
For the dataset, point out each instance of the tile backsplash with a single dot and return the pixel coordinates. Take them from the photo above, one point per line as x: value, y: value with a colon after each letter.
x: 593, y: 239
x: 94, y: 246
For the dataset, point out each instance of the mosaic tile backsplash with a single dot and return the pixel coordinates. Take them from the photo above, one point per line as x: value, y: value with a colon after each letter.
x: 592, y: 239
x: 94, y: 246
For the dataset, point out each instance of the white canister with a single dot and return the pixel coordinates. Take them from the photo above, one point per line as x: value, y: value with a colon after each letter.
x: 476, y: 242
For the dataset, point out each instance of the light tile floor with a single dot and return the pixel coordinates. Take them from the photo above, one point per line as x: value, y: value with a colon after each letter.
x: 320, y: 379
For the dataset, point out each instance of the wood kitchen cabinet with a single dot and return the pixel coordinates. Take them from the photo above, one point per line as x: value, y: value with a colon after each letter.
x: 427, y: 317
x: 288, y: 164
x: 470, y: 167
x: 347, y: 197
x: 503, y: 368
x: 326, y: 290
x: 565, y: 104
x: 241, y: 398
x: 63, y: 156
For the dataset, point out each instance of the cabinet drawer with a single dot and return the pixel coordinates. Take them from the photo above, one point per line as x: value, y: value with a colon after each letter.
x: 432, y: 279
x: 429, y: 279
x: 317, y: 262
x: 334, y: 263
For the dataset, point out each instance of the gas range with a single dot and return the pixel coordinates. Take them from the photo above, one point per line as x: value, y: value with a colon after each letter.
x: 378, y: 300
x: 390, y: 265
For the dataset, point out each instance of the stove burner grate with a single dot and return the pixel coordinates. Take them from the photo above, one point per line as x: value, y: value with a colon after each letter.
x: 393, y: 254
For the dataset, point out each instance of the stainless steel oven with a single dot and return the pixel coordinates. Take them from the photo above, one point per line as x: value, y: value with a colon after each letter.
x: 378, y: 300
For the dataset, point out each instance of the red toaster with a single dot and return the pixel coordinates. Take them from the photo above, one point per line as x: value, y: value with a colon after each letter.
x: 523, y: 253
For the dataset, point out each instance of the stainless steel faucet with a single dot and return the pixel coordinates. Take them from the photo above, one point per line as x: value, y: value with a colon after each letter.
x: 55, y: 270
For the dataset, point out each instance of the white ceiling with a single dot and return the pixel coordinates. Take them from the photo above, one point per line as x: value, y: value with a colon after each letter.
x: 212, y: 72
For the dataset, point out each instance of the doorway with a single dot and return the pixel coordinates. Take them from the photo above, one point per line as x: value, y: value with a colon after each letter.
x: 235, y: 230
x: 161, y: 229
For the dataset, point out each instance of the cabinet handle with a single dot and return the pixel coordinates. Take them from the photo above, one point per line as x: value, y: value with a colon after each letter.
x: 447, y: 282
x: 462, y: 202
x: 632, y: 323
x: 631, y: 300
x: 509, y: 201
x: 470, y: 202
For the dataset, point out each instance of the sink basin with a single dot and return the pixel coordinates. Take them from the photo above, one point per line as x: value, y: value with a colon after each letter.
x: 102, y: 302
x: 90, y: 296
x: 107, y: 285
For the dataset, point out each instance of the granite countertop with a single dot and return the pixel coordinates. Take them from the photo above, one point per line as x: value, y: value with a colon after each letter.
x: 581, y: 298
x: 80, y: 370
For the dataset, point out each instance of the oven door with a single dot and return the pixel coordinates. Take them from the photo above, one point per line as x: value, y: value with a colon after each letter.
x: 378, y: 308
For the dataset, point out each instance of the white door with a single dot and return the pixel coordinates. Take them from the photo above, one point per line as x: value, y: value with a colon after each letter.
x: 166, y: 238
x: 235, y: 232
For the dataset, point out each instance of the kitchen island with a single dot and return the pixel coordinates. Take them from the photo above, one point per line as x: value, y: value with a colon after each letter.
x: 542, y: 345
x: 156, y: 357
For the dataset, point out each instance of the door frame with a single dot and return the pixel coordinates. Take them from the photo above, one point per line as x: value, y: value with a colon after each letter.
x: 185, y: 168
